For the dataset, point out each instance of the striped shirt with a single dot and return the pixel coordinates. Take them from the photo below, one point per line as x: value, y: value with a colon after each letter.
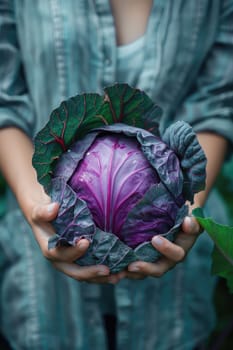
x: 53, y: 49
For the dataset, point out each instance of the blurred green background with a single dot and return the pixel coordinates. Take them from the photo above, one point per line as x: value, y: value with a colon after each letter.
x: 222, y: 337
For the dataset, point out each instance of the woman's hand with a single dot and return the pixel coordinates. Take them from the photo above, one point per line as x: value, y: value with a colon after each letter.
x: 63, y: 258
x: 215, y: 147
x: 172, y: 252
x: 16, y: 151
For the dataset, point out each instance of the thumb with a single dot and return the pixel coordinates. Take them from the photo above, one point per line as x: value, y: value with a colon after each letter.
x: 191, y: 226
x: 45, y: 212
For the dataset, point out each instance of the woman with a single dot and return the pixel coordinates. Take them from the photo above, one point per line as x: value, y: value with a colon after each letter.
x: 178, y: 54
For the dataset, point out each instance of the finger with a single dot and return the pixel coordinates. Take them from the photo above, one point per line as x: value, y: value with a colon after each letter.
x: 191, y: 231
x: 185, y: 241
x: 171, y: 250
x: 156, y: 269
x: 191, y: 226
x: 43, y: 231
x: 67, y: 254
x: 45, y: 212
x: 82, y: 273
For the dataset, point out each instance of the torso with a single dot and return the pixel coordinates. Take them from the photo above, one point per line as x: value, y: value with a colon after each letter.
x: 131, y: 18
x: 176, y: 43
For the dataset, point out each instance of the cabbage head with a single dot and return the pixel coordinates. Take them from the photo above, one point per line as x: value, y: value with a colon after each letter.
x: 118, y: 179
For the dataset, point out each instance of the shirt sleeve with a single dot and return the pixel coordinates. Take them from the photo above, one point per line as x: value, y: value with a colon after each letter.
x: 209, y: 106
x: 15, y: 104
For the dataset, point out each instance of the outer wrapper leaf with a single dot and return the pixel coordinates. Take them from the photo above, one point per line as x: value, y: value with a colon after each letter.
x: 74, y: 219
x: 156, y: 212
x: 181, y: 138
x: 222, y: 235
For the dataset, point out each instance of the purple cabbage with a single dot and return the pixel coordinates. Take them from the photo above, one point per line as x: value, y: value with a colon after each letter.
x: 130, y: 186
x: 112, y: 177
x: 117, y: 183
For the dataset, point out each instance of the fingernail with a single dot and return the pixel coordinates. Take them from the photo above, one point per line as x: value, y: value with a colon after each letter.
x: 81, y: 244
x: 190, y: 221
x: 50, y: 207
x: 192, y: 224
x: 157, y: 240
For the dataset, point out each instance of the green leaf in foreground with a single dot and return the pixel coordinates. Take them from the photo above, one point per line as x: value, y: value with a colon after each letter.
x: 222, y: 235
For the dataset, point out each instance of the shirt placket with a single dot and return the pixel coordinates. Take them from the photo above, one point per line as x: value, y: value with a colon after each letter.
x: 108, y: 42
